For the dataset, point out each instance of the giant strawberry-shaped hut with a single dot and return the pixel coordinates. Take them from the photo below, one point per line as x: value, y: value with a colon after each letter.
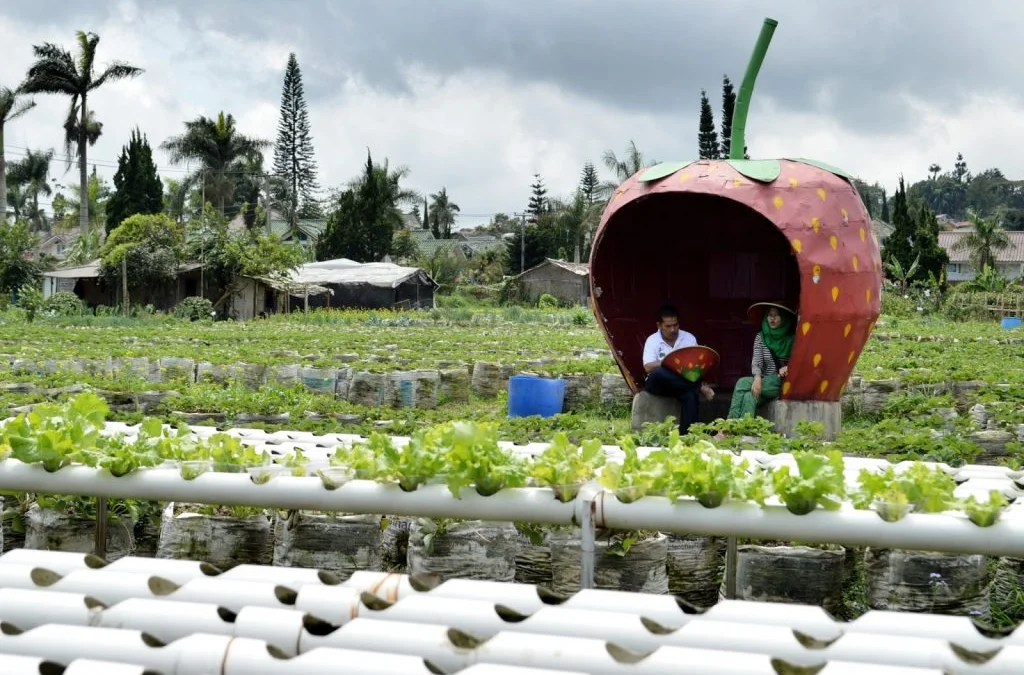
x: 715, y: 236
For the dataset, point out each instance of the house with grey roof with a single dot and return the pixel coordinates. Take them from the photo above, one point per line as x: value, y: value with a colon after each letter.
x: 1009, y: 261
x: 569, y: 282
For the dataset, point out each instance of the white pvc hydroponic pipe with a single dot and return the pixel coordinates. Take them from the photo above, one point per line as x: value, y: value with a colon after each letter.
x: 111, y: 587
x: 11, y: 664
x: 932, y: 532
x: 288, y: 492
x: 198, y: 654
x: 92, y: 667
x: 847, y: 526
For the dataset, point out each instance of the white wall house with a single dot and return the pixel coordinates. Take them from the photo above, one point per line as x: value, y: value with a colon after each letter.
x: 1009, y: 261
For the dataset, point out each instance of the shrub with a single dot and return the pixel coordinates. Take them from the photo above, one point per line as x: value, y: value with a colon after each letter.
x: 194, y: 308
x: 582, y: 317
x: 547, y: 301
x: 64, y: 303
x: 30, y: 299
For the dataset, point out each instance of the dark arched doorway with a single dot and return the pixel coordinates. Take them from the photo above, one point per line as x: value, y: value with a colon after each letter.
x: 710, y: 256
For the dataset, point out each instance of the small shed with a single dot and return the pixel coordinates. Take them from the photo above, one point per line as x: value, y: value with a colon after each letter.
x: 339, y: 283
x: 569, y: 282
x: 82, y: 280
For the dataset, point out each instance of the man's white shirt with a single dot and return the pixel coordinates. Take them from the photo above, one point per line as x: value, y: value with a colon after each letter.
x: 656, y: 348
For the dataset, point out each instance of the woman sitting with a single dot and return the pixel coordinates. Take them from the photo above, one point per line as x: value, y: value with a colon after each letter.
x: 772, y: 347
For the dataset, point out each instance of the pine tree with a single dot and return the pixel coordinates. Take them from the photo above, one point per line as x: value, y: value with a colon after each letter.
x: 538, y: 199
x: 885, y: 207
x: 899, y: 246
x: 932, y: 258
x: 728, y: 106
x: 589, y: 183
x: 707, y: 138
x: 137, y: 187
x: 294, y: 160
x: 960, y: 173
x: 425, y: 223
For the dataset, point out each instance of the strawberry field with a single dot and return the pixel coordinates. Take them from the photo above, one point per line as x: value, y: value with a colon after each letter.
x: 933, y: 422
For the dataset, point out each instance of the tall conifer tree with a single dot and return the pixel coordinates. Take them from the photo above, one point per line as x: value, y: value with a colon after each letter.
x: 294, y: 160
x: 707, y: 138
x: 137, y: 186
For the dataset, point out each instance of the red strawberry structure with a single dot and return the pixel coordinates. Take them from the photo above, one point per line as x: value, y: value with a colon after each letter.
x: 715, y: 236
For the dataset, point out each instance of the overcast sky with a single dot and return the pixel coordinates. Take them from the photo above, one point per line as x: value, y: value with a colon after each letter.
x: 478, y: 95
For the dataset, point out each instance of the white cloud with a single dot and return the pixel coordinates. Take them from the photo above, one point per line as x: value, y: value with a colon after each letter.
x: 479, y: 133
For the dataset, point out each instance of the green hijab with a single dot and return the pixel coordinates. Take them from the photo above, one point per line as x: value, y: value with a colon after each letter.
x: 779, y: 340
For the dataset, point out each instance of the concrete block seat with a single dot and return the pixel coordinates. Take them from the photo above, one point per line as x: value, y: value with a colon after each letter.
x: 785, y: 414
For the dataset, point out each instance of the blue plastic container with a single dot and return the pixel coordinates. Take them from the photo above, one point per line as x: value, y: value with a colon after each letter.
x: 1011, y: 322
x: 529, y: 395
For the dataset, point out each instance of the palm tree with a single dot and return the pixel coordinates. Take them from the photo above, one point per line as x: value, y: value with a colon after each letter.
x: 442, y: 213
x: 17, y: 199
x: 633, y: 162
x: 11, y: 108
x: 57, y: 72
x: 577, y: 219
x: 32, y: 173
x: 221, y: 151
x: 982, y: 243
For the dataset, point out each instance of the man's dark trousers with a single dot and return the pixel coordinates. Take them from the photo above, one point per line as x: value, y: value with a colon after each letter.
x: 664, y: 382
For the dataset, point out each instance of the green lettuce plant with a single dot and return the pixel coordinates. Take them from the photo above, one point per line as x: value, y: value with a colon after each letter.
x: 564, y: 467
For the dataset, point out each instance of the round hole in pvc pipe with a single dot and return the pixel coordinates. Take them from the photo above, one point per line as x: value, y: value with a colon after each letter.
x: 9, y: 629
x: 43, y: 577
x: 285, y: 595
x: 51, y: 668
x: 161, y: 586
x: 277, y: 653
x: 786, y: 668
x: 811, y: 642
x: 94, y: 561
x: 549, y: 597
x: 373, y: 602
x: 94, y: 603
x: 991, y: 631
x: 424, y: 582
x: 623, y: 655
x: 509, y: 615
x: 973, y: 657
x: 152, y: 641
x: 463, y: 640
x: 656, y: 628
x: 314, y: 625
x: 226, y: 615
x: 687, y: 607
x: 328, y: 578
x: 210, y: 570
x: 429, y: 665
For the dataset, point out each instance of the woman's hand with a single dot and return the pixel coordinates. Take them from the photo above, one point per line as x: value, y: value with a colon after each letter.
x: 755, y: 388
x: 783, y: 371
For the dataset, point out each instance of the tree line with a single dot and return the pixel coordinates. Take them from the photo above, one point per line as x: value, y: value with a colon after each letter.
x: 363, y: 219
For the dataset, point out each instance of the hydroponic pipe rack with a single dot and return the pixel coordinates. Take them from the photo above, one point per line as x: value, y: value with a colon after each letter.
x: 847, y: 526
x: 210, y: 622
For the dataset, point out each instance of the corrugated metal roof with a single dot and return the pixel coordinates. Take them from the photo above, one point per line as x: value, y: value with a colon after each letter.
x: 582, y: 269
x: 1014, y: 253
x: 90, y: 270
x: 345, y: 271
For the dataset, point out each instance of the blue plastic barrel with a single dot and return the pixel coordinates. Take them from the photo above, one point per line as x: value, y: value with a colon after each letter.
x: 1011, y: 322
x: 529, y: 395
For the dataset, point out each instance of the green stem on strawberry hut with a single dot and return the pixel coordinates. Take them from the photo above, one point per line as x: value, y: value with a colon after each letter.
x: 737, y: 141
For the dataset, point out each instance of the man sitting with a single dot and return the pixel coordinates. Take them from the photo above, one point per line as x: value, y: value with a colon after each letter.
x: 663, y: 382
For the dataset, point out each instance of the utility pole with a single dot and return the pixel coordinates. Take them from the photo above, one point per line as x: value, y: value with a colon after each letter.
x: 522, y: 244
x: 124, y: 281
x: 202, y: 244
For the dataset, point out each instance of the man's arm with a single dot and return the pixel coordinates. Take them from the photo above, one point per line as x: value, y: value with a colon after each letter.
x: 651, y: 360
